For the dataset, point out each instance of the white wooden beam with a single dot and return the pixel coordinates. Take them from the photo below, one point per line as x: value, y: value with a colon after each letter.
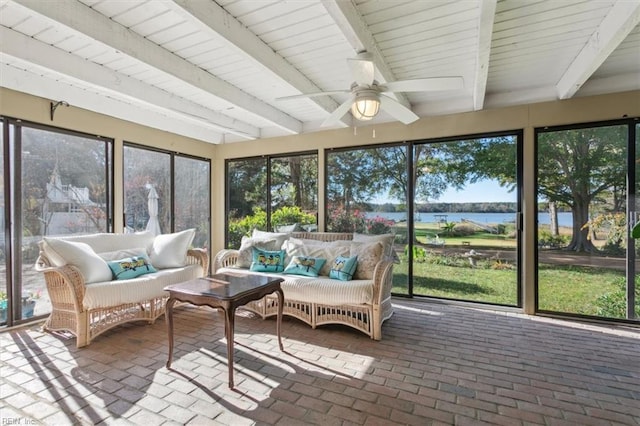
x: 213, y: 18
x: 485, y: 31
x: 356, y: 31
x: 33, y: 83
x: 91, y: 23
x: 28, y: 49
x: 614, y: 28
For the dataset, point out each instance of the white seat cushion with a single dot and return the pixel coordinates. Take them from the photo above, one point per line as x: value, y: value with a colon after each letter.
x: 321, y: 289
x: 113, y: 293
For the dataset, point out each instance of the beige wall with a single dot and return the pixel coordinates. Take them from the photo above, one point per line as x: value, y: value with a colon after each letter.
x: 527, y: 117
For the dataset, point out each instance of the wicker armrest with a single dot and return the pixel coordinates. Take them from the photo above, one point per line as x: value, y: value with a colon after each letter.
x: 199, y: 255
x: 225, y: 259
x: 382, y: 281
x: 65, y: 285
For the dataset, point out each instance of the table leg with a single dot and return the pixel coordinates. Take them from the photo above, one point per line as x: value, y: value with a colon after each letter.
x: 168, y: 315
x: 279, y: 317
x: 229, y: 324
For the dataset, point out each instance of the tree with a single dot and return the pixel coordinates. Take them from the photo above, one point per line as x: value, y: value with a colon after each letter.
x: 577, y: 167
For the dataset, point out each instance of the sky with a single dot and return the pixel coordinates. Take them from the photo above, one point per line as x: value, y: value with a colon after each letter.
x: 486, y: 191
x: 480, y: 192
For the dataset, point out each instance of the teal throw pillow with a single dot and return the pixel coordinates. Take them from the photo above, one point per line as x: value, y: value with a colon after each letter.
x: 131, y: 267
x: 343, y: 268
x: 307, y: 266
x: 267, y: 261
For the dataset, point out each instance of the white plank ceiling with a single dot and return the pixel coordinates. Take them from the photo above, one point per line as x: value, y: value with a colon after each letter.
x: 212, y: 70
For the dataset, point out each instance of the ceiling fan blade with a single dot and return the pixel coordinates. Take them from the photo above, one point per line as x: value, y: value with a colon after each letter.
x: 362, y: 71
x: 313, y: 95
x: 424, y: 84
x: 397, y: 110
x: 339, y: 112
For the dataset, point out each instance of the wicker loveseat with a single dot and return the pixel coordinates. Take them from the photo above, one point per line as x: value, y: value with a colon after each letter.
x: 87, y: 299
x: 363, y: 303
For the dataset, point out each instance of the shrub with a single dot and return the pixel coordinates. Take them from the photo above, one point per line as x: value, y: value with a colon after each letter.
x: 461, y: 230
x: 291, y: 215
x: 379, y: 225
x: 615, y: 225
x: 545, y: 239
x: 614, y: 304
x: 241, y: 227
x: 342, y: 221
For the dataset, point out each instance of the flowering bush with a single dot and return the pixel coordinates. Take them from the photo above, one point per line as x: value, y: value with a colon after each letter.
x: 379, y: 225
x: 342, y: 221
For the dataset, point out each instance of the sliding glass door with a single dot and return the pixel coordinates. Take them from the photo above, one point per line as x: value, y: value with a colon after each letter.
x: 55, y: 183
x: 586, y: 189
x: 465, y: 220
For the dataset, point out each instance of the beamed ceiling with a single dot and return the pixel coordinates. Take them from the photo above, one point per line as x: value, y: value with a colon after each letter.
x: 212, y: 70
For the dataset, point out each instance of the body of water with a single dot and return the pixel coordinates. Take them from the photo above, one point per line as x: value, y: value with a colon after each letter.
x: 564, y: 218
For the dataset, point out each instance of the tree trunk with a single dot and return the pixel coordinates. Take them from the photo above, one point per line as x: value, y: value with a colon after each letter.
x: 296, y: 179
x: 579, y: 240
x: 553, y: 218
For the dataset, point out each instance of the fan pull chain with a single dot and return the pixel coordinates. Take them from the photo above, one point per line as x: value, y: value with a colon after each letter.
x: 374, y: 133
x: 355, y: 131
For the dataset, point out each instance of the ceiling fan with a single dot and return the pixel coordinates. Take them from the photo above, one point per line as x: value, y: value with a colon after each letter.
x: 367, y: 96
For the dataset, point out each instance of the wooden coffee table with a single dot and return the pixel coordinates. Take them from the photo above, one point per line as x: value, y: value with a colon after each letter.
x: 227, y: 292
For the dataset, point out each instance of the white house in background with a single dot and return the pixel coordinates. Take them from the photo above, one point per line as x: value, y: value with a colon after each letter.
x: 67, y: 209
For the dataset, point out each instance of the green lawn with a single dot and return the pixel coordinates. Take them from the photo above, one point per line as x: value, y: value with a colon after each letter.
x: 567, y: 289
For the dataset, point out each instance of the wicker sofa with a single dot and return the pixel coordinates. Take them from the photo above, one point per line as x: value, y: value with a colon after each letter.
x: 88, y: 299
x: 363, y: 304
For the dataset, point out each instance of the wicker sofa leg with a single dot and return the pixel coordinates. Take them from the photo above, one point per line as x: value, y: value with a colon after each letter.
x: 83, y: 337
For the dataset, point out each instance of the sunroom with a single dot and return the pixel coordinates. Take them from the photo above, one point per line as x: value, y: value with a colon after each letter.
x: 496, y: 140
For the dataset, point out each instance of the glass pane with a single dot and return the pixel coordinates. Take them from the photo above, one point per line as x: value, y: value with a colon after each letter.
x: 247, y: 195
x: 3, y: 257
x: 465, y: 237
x: 64, y: 192
x: 294, y: 193
x: 367, y: 193
x: 192, y: 203
x: 582, y: 237
x: 636, y: 246
x: 147, y: 190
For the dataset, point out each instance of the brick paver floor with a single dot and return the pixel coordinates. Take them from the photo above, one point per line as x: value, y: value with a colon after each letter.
x: 437, y: 364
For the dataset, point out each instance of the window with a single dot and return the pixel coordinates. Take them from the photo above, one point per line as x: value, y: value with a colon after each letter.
x: 453, y: 206
x: 58, y: 183
x: 166, y: 192
x: 586, y: 260
x: 271, y: 193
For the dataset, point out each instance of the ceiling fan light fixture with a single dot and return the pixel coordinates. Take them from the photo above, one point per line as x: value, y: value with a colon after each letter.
x: 366, y: 106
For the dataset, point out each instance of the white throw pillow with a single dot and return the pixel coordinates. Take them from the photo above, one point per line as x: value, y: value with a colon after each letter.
x: 170, y: 250
x: 387, y: 241
x: 121, y: 254
x: 245, y: 252
x: 325, y: 250
x: 92, y: 267
x: 280, y: 237
x: 369, y: 254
